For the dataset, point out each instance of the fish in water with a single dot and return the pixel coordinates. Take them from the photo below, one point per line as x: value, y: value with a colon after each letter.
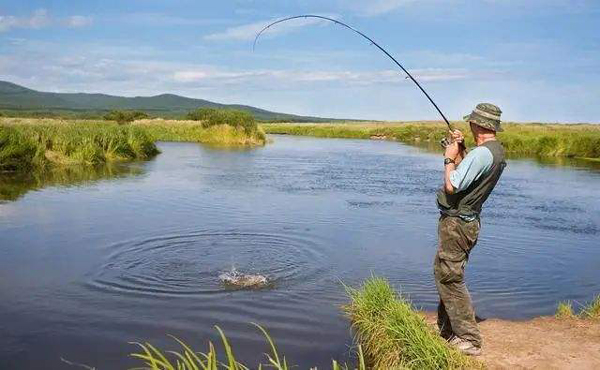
x: 237, y: 279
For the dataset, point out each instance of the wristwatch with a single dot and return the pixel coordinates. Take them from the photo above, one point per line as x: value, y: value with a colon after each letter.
x: 448, y: 161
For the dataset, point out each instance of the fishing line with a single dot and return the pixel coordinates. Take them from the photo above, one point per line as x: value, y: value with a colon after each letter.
x: 366, y: 37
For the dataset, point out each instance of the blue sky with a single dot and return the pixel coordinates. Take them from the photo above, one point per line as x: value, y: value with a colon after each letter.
x: 539, y: 60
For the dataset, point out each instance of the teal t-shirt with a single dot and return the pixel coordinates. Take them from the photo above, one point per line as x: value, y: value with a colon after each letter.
x: 477, y: 162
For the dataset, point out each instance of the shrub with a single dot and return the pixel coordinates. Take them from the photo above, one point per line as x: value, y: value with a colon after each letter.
x: 123, y: 117
x: 214, y: 117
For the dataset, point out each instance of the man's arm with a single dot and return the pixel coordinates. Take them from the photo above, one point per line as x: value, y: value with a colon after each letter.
x: 456, y: 152
x: 458, y: 178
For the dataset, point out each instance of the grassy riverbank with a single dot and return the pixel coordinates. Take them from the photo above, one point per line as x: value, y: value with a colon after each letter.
x: 556, y: 140
x: 193, y: 131
x: 189, y: 359
x: 40, y: 143
x: 393, y: 335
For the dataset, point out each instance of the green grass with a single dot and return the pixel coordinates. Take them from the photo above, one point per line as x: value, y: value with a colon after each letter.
x: 194, y: 131
x: 565, y: 310
x: 554, y: 140
x: 590, y: 310
x: 188, y: 359
x: 40, y: 144
x: 393, y: 335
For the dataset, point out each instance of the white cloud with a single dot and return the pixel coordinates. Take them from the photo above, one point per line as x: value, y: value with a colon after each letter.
x: 248, y: 31
x: 77, y: 21
x: 40, y: 19
x: 285, y: 78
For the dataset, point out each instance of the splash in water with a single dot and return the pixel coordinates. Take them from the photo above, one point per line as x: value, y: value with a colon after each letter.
x: 237, y: 279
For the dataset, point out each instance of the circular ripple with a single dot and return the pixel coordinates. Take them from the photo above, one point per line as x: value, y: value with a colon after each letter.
x: 191, y: 263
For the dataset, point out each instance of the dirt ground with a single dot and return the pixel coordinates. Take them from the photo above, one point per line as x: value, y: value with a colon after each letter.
x: 541, y: 343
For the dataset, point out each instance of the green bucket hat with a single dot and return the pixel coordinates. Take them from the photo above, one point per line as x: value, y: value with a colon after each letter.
x: 486, y: 115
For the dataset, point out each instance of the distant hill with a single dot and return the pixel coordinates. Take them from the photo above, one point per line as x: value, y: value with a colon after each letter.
x: 14, y: 97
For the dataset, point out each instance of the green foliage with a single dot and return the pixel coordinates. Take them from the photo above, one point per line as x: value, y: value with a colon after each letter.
x: 565, y: 310
x: 592, y: 309
x: 394, y: 336
x: 188, y: 359
x: 17, y: 152
x: 588, y: 311
x: 123, y: 117
x: 40, y: 145
x: 215, y: 117
x: 580, y: 141
x: 190, y: 131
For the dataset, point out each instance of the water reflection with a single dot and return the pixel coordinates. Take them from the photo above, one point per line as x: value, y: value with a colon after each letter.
x: 14, y: 185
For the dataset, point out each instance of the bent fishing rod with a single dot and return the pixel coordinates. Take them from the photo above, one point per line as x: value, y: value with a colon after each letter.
x: 364, y: 36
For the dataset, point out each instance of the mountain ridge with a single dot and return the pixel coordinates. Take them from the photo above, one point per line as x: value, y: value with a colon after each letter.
x: 14, y: 97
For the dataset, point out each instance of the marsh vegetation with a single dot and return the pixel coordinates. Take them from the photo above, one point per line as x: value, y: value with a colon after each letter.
x: 393, y: 335
x: 39, y: 144
x: 590, y: 310
x: 189, y: 359
x: 27, y: 143
x: 533, y: 139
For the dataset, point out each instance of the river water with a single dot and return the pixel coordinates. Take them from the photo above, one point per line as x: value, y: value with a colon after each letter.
x: 93, y: 259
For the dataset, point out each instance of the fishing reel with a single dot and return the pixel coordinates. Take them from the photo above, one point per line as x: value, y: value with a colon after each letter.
x: 447, y: 141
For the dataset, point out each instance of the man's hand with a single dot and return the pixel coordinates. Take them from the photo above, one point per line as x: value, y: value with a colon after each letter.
x: 452, y: 150
x: 457, y: 136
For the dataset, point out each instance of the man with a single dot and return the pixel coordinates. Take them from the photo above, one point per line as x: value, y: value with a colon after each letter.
x: 468, y: 181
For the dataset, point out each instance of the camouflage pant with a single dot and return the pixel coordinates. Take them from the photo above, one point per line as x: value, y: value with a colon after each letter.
x: 455, y: 310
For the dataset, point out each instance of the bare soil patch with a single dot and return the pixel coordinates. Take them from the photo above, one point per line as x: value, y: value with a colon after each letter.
x: 541, y: 343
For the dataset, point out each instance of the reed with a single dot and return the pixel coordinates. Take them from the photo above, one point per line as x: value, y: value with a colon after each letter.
x: 188, y: 359
x: 565, y: 311
x: 555, y: 140
x: 394, y: 336
x: 194, y: 131
x: 40, y: 144
x: 592, y: 309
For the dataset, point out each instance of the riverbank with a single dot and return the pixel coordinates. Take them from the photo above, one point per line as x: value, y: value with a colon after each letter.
x: 540, y: 343
x: 40, y: 143
x: 391, y: 334
x: 553, y: 140
x: 394, y: 335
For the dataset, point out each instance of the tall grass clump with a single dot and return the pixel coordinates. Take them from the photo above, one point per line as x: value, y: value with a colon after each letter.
x: 193, y: 131
x: 592, y: 309
x: 17, y: 152
x: 394, y: 336
x: 564, y: 310
x: 188, y: 359
x: 41, y: 144
x: 232, y: 117
x: 125, y: 116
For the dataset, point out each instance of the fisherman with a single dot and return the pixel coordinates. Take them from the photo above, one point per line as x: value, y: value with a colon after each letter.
x: 468, y: 181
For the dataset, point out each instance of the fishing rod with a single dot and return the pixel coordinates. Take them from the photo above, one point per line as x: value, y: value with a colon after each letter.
x: 366, y: 37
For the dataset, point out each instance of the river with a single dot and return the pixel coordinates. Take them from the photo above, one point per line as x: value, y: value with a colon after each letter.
x: 90, y: 262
